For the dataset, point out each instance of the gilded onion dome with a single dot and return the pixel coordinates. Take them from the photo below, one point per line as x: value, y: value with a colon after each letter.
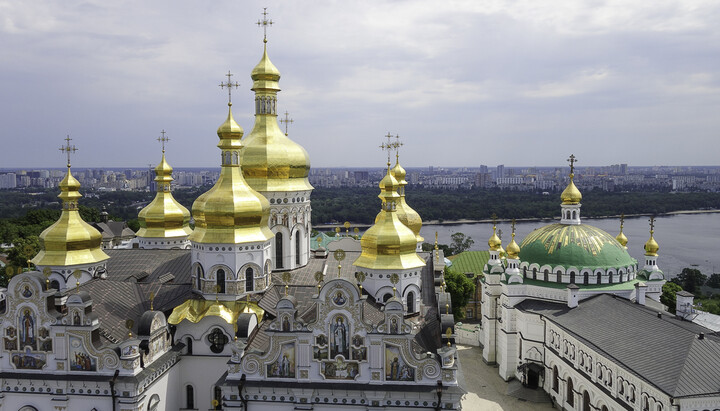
x: 270, y: 160
x: 405, y: 213
x: 494, y: 242
x: 651, y: 246
x: 571, y: 194
x: 70, y: 241
x: 389, y: 244
x: 231, y: 211
x: 621, y: 238
x: 513, y: 249
x: 164, y: 217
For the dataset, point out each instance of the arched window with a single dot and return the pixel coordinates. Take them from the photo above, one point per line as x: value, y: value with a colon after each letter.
x: 545, y: 275
x: 572, y: 277
x: 250, y: 279
x: 154, y: 403
x: 189, y: 397
x: 387, y: 297
x: 198, y: 274
x: 411, y: 302
x: 574, y: 214
x: 55, y: 284
x: 279, y: 250
x: 570, y: 394
x: 188, y: 344
x: 297, y: 248
x: 556, y: 379
x: 220, y: 276
x: 586, y: 401
x: 534, y: 274
x: 585, y: 278
x: 604, y: 408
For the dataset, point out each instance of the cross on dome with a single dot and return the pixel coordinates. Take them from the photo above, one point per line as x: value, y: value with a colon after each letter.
x: 163, y: 139
x: 287, y: 120
x: 388, y: 146
x: 652, y: 225
x: 68, y: 149
x: 572, y: 161
x: 229, y: 86
x: 397, y: 144
x: 264, y: 23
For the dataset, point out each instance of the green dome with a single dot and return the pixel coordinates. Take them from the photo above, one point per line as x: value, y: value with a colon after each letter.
x: 581, y: 246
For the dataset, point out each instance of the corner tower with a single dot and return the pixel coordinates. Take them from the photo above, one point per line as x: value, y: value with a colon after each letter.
x: 164, y: 223
x: 231, y: 241
x: 278, y: 168
x: 70, y: 250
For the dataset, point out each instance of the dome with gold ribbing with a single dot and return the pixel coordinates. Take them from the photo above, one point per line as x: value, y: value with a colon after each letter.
x: 164, y: 217
x: 70, y: 240
x: 270, y: 160
x: 405, y: 213
x: 389, y: 244
x: 231, y: 211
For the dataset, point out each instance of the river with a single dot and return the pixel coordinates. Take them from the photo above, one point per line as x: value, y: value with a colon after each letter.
x: 686, y: 240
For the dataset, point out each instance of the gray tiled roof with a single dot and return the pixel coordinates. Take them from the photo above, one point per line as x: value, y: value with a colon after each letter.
x: 666, y: 351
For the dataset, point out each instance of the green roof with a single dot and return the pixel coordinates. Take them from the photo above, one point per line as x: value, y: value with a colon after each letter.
x: 627, y: 285
x: 470, y: 261
x: 581, y: 246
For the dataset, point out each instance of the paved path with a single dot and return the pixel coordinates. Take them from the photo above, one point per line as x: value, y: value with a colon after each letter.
x: 486, y: 390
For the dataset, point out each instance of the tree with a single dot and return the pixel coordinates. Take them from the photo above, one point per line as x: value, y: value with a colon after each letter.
x: 461, y: 289
x: 24, y: 249
x: 460, y: 243
x: 690, y: 279
x: 713, y: 281
x: 669, y: 289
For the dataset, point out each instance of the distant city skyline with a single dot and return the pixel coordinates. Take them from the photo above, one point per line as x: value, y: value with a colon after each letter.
x: 464, y: 84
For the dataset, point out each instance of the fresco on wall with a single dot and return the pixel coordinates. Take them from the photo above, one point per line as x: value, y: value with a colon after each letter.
x: 28, y: 360
x: 339, y: 341
x: 284, y: 367
x: 26, y: 327
x: 396, y: 369
x: 80, y: 360
x: 340, y: 370
x: 320, y: 353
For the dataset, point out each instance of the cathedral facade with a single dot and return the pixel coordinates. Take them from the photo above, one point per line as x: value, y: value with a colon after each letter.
x: 236, y: 313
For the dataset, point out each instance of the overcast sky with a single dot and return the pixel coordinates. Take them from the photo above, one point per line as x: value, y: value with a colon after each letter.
x: 463, y: 83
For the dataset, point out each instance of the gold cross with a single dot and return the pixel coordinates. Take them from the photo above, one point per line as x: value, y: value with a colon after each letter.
x: 397, y: 145
x: 622, y: 221
x: 652, y: 225
x: 264, y: 23
x: 162, y: 139
x: 69, y: 149
x: 513, y: 228
x: 229, y: 85
x: 287, y: 120
x: 572, y: 161
x: 388, y: 146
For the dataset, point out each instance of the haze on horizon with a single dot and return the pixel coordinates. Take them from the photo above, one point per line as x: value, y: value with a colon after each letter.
x: 463, y: 83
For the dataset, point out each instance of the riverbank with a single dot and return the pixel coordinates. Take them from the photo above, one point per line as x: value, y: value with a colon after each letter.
x: 529, y: 220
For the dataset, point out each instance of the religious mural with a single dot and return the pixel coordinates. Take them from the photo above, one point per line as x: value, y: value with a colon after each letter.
x: 396, y: 369
x: 339, y: 298
x: 284, y: 367
x: 340, y: 370
x: 28, y: 360
x: 26, y: 327
x: 339, y: 341
x: 80, y: 360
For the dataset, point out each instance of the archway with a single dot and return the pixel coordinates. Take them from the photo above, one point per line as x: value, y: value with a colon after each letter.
x: 297, y: 247
x: 411, y: 302
x: 586, y: 401
x: 279, y: 250
x: 250, y: 279
x: 220, y: 276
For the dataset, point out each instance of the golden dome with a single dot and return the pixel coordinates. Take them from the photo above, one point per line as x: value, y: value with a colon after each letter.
x: 270, y: 160
x: 651, y: 246
x: 513, y: 249
x: 70, y: 240
x: 405, y: 213
x: 571, y: 194
x: 164, y: 217
x: 494, y: 242
x: 231, y: 211
x: 389, y: 244
x: 622, y: 239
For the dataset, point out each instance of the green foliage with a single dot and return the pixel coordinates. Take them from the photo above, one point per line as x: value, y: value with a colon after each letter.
x: 667, y: 297
x: 460, y: 243
x: 461, y: 289
x: 430, y: 247
x: 690, y: 279
x: 713, y: 281
x: 709, y: 304
x: 25, y: 249
x: 361, y: 205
